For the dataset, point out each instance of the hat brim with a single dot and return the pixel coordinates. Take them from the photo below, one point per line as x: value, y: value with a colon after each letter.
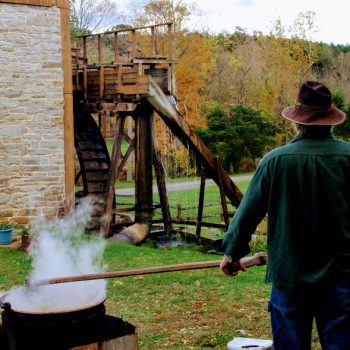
x: 333, y: 116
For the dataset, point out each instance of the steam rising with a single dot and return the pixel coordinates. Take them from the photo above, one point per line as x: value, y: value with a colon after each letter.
x: 61, y: 248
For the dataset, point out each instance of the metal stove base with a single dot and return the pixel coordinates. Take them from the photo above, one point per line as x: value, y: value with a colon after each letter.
x: 109, y: 333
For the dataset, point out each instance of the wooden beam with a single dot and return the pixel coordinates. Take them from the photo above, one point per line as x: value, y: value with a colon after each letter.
x: 194, y: 223
x: 180, y: 128
x: 99, y: 48
x: 160, y: 176
x: 126, y: 156
x: 105, y: 224
x: 143, y: 163
x: 131, y: 29
x: 170, y: 41
x: 116, y: 47
x: 133, y: 44
x: 85, y: 72
x: 153, y: 40
x: 100, y: 62
x: 104, y: 124
x: 200, y: 205
x: 101, y: 82
x: 85, y: 49
x: 222, y: 194
x: 63, y: 4
x: 69, y: 150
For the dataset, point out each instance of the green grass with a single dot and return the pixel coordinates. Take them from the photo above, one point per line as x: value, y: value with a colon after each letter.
x: 189, y: 199
x: 109, y: 144
x: 180, y: 310
x: 189, y: 310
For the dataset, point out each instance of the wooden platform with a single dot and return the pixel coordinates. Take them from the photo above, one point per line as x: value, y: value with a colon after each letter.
x: 115, y: 66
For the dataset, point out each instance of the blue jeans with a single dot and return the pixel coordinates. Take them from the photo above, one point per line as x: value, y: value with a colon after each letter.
x: 292, y: 319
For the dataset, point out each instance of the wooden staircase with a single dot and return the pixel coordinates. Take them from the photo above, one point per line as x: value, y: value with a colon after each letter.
x: 94, y: 163
x: 92, y: 154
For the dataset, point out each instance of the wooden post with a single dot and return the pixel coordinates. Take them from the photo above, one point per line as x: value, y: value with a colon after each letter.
x: 104, y: 124
x: 200, y: 205
x: 69, y: 150
x: 100, y: 62
x: 99, y: 48
x: 133, y: 44
x: 222, y: 194
x: 120, y: 78
x: 170, y: 41
x: 143, y: 164
x: 178, y: 211
x: 127, y: 155
x: 85, y: 62
x: 129, y: 163
x: 102, y: 82
x: 105, y: 224
x: 153, y: 39
x: 160, y: 176
x: 84, y: 49
x: 116, y: 48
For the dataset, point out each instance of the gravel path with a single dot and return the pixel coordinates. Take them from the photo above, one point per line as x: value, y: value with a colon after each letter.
x: 182, y: 185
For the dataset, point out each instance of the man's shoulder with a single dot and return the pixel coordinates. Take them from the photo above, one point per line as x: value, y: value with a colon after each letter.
x: 331, y: 146
x: 276, y: 152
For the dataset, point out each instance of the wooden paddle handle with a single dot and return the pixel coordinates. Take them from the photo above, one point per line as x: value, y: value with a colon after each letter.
x: 257, y: 259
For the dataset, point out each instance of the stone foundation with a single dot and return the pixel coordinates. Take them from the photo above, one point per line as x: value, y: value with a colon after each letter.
x: 32, y: 168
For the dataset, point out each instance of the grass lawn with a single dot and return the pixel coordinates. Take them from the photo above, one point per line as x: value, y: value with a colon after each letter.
x: 199, y: 309
x: 179, y: 310
x: 188, y: 200
x: 189, y: 310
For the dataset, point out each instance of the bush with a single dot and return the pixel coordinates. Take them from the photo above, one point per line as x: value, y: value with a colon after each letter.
x: 6, y: 226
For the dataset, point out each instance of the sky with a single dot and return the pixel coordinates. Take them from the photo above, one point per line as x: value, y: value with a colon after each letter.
x: 330, y: 21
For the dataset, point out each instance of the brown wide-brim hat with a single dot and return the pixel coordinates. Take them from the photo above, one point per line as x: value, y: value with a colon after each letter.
x: 314, y: 106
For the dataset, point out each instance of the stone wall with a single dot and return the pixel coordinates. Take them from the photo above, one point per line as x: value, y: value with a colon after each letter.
x: 31, y: 113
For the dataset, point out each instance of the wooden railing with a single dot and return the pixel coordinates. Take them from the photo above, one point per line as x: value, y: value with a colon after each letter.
x: 108, y: 57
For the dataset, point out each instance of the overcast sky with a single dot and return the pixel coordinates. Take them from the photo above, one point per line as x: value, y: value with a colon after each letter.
x: 331, y: 17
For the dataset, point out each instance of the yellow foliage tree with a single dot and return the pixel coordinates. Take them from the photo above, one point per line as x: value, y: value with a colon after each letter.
x: 192, y: 72
x: 194, y: 64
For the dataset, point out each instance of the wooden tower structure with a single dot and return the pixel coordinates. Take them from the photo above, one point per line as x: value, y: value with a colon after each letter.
x: 131, y: 72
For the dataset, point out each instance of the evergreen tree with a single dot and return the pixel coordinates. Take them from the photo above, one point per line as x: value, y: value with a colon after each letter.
x: 243, y: 133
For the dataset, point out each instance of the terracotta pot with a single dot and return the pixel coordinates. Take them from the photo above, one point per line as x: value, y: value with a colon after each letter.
x: 25, y: 240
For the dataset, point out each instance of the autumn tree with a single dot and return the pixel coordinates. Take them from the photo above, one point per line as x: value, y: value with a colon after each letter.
x: 163, y: 11
x: 193, y: 63
x: 232, y: 61
x: 342, y: 130
x: 88, y: 16
x: 333, y: 67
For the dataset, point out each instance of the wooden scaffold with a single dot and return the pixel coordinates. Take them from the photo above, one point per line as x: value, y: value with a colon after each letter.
x: 136, y: 82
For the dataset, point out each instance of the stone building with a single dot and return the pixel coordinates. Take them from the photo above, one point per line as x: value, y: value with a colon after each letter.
x: 36, y: 118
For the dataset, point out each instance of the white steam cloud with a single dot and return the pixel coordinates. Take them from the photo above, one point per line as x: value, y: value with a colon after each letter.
x: 61, y: 248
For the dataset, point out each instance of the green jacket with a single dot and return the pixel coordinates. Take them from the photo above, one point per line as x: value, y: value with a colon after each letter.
x: 304, y: 188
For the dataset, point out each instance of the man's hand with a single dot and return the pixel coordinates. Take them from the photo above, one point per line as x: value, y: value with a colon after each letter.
x: 231, y: 268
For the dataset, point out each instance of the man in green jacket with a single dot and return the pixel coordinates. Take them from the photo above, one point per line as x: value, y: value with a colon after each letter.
x: 304, y: 188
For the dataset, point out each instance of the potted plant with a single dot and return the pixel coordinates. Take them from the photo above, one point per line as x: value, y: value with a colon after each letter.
x: 6, y: 233
x: 25, y: 237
